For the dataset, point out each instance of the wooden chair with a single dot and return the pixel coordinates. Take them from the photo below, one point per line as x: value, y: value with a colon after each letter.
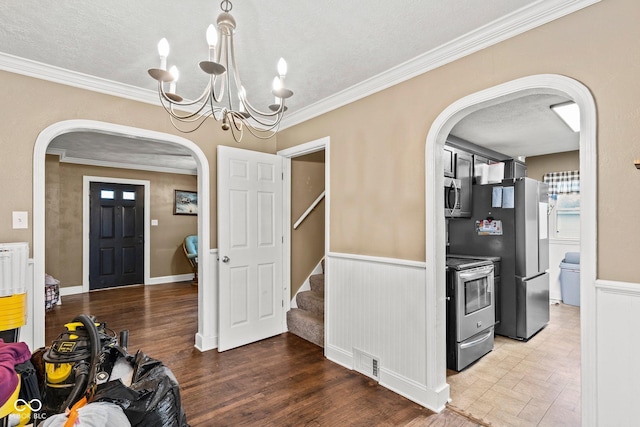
x: 190, y: 247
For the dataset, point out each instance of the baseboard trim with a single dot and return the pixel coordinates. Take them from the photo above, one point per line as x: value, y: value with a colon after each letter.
x: 70, y: 290
x: 74, y: 290
x: 170, y: 279
x: 339, y: 356
x: 206, y: 343
x: 412, y: 390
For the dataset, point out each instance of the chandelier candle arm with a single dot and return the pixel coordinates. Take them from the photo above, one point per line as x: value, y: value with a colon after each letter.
x: 258, y: 115
x: 176, y: 75
x: 224, y: 76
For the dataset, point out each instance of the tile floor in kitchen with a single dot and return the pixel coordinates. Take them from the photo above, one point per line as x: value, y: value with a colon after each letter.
x: 533, y: 383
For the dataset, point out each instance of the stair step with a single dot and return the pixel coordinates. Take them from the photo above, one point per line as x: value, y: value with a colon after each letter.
x: 317, y: 283
x: 311, y: 301
x: 306, y: 325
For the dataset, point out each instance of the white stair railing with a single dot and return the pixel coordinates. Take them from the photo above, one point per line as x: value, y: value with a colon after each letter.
x: 308, y: 211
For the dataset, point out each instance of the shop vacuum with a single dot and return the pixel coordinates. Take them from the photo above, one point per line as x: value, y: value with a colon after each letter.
x: 76, y: 360
x: 87, y: 364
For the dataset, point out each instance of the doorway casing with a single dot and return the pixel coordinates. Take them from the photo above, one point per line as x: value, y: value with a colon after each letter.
x: 435, y: 226
x: 86, y: 182
x: 288, y: 154
x: 206, y: 336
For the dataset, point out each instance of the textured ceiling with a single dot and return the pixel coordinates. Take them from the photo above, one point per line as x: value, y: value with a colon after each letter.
x: 330, y: 45
x: 524, y: 126
x: 107, y: 150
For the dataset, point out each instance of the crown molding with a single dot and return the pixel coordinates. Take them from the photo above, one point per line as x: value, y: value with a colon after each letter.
x: 38, y: 70
x: 518, y: 22
x: 62, y: 153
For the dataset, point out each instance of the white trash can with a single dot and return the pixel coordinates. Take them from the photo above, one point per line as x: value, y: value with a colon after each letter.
x: 570, y: 278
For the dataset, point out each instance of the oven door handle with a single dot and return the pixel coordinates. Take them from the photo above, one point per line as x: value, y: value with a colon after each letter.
x: 478, y: 274
x: 478, y: 341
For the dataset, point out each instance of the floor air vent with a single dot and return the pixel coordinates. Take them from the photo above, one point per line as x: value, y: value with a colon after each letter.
x: 366, y: 364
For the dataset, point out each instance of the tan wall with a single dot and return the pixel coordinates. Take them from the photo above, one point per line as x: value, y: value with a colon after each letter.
x: 307, y: 241
x: 63, y: 209
x: 537, y: 166
x: 378, y: 144
x: 37, y: 104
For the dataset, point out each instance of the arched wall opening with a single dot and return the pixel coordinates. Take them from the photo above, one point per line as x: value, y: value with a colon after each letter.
x: 435, y: 225
x: 206, y: 336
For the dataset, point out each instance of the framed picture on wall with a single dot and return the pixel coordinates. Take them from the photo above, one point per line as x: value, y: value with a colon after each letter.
x: 185, y: 202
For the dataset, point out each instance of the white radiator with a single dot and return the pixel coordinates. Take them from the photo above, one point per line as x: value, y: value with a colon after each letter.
x: 13, y: 268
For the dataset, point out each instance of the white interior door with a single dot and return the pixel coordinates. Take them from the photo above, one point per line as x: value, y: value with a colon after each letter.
x: 249, y: 246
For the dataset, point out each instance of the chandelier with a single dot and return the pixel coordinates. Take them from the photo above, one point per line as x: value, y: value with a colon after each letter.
x: 224, y: 98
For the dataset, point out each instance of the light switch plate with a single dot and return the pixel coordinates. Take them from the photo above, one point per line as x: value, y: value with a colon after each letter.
x: 154, y: 222
x: 20, y: 219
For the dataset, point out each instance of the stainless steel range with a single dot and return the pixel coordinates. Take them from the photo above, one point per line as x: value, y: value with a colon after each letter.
x: 470, y: 311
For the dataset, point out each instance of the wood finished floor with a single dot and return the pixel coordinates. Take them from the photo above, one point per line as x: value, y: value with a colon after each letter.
x: 534, y: 383
x: 281, y: 381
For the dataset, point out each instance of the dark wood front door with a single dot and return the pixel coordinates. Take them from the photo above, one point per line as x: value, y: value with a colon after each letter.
x: 116, y: 235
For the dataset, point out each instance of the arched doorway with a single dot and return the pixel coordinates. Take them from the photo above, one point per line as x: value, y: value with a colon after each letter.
x: 205, y: 338
x: 435, y: 228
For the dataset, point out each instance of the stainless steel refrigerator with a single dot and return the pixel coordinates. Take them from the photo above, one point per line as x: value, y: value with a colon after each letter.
x: 509, y: 220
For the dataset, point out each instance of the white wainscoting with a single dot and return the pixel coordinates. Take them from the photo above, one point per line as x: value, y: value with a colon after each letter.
x: 377, y: 305
x: 618, y: 350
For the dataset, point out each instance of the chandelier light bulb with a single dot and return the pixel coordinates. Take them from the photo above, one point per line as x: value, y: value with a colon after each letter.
x: 282, y: 67
x: 163, y: 51
x: 163, y: 47
x: 212, y: 36
x: 212, y: 41
x: 174, y: 73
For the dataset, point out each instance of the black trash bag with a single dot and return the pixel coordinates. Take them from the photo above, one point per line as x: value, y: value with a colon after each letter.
x: 152, y: 400
x: 29, y: 387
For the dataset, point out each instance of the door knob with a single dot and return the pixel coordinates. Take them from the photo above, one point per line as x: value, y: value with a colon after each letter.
x: 225, y: 259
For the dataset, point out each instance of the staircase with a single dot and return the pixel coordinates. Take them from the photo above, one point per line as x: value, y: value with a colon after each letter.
x: 307, y: 321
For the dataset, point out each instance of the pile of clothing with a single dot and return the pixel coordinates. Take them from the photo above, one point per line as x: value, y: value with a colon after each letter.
x: 18, y: 381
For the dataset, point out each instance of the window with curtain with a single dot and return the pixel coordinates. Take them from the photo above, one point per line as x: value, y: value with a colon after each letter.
x: 564, y: 199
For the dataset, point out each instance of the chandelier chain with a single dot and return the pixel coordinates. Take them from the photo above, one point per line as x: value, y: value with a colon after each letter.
x: 226, y: 6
